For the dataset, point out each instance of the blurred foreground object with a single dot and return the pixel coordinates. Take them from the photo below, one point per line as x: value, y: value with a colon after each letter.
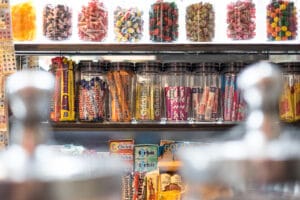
x: 30, y: 170
x: 265, y: 164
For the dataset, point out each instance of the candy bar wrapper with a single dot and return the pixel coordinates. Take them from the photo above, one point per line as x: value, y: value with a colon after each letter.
x: 242, y: 108
x: 155, y: 102
x: 123, y: 150
x: 168, y: 151
x: 67, y: 92
x: 196, y: 98
x: 177, y: 103
x: 297, y: 101
x: 286, y: 104
x: 143, y: 106
x: 167, y: 195
x: 152, y: 180
x: 210, y: 103
x: 227, y: 98
x: 215, y: 108
x: 139, y: 186
x: 145, y: 158
x: 126, y: 187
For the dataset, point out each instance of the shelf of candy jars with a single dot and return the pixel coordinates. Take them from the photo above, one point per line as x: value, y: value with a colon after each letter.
x: 211, y: 100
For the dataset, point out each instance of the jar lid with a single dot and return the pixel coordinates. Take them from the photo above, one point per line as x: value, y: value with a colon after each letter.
x: 177, y: 67
x: 204, y: 67
x: 233, y: 67
x: 115, y: 66
x: 148, y: 67
x: 90, y: 66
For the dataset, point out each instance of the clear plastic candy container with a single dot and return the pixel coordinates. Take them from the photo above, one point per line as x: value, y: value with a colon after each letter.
x: 93, y: 92
x: 93, y: 21
x: 177, y: 92
x: 163, y: 21
x: 241, y: 24
x: 57, y: 21
x: 281, y: 20
x: 200, y: 21
x: 148, y: 92
x: 23, y: 13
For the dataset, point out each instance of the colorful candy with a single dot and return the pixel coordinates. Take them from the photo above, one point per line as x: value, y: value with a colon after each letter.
x: 92, y: 96
x: 128, y: 24
x: 120, y: 88
x: 200, y: 22
x: 92, y: 21
x: 241, y: 20
x: 57, y: 22
x: 163, y: 22
x: 23, y: 21
x: 177, y: 102
x: 281, y: 20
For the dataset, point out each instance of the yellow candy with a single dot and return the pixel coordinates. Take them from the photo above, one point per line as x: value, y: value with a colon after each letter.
x: 282, y: 7
x: 288, y: 33
x: 118, y: 23
x: 276, y: 19
x: 130, y: 30
x: 284, y: 28
x: 273, y: 25
x: 129, y: 23
x: 278, y: 38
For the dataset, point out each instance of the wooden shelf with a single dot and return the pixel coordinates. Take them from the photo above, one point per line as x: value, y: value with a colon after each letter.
x: 90, y: 126
x: 78, y: 48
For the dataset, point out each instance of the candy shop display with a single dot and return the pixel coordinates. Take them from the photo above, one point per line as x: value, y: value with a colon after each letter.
x: 128, y: 24
x: 23, y: 21
x: 282, y: 20
x: 200, y: 22
x: 289, y: 104
x: 62, y: 105
x: 92, y: 91
x: 163, y: 22
x: 205, y: 92
x: 120, y: 82
x: 93, y: 21
x: 241, y: 16
x: 148, y: 92
x: 234, y: 106
x: 57, y: 22
x: 177, y: 92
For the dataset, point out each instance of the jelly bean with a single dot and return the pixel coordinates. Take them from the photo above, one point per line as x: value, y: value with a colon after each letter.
x: 163, y: 22
x: 128, y: 24
x: 57, y: 22
x: 281, y: 20
x: 92, y: 21
x: 200, y: 22
x: 241, y: 20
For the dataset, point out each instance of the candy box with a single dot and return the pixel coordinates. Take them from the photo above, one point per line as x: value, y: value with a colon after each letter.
x: 145, y: 158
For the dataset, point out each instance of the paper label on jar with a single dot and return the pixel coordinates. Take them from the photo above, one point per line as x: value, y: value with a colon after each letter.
x: 177, y: 102
x: 145, y: 158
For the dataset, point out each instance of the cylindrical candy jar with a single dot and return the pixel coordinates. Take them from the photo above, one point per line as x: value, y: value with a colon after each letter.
x: 163, y: 21
x: 23, y: 13
x: 120, y: 80
x: 241, y: 22
x: 205, y: 84
x: 234, y: 106
x: 92, y: 92
x: 177, y: 91
x: 57, y: 20
x: 281, y: 20
x: 92, y: 21
x: 200, y: 21
x: 128, y: 22
x: 148, y: 92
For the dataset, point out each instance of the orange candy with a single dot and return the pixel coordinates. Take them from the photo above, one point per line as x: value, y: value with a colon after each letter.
x: 23, y: 21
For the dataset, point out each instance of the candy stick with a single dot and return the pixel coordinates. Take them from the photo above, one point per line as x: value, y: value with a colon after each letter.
x: 116, y: 115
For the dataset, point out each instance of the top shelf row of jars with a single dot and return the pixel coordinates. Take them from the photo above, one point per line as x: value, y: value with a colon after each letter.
x: 155, y: 21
